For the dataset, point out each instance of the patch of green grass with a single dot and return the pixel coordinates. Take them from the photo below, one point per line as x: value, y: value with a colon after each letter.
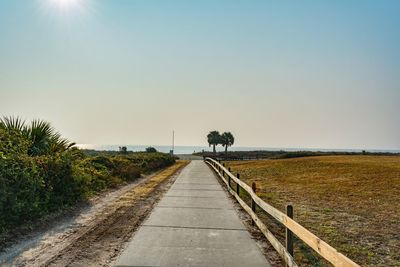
x: 327, y: 210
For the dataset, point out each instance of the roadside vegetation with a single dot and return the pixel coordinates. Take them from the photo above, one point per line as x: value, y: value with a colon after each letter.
x: 103, y: 236
x: 351, y: 202
x: 41, y: 172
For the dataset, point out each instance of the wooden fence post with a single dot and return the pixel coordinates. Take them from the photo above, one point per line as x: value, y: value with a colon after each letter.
x: 229, y: 177
x: 237, y: 185
x: 253, y: 203
x: 289, y: 234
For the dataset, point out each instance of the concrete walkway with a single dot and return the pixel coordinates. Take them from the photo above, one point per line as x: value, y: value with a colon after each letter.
x: 194, y: 224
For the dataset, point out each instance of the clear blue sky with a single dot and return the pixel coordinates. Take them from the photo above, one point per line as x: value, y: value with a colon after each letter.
x: 322, y: 74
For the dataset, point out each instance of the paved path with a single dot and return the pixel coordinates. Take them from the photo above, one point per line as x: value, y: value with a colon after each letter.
x: 194, y: 224
x: 189, y: 157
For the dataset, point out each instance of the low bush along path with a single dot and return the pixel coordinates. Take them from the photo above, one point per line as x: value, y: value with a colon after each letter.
x: 96, y: 236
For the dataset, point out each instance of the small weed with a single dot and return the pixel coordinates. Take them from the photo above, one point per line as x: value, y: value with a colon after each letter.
x: 327, y: 210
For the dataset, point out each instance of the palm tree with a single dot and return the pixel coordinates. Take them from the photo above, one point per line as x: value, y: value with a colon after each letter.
x: 227, y: 140
x: 214, y: 139
x: 42, y: 136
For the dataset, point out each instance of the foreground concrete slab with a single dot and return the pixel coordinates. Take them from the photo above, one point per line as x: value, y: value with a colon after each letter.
x: 192, y: 247
x: 194, y: 224
x: 195, y: 202
x: 195, y: 218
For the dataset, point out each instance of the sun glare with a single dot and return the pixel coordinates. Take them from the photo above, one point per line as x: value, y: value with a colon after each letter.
x: 67, y: 5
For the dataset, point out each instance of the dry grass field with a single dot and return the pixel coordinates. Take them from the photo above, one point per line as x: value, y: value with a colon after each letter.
x: 351, y: 202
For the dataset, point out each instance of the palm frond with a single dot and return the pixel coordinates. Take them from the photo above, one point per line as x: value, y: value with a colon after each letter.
x: 45, y: 139
x: 12, y: 123
x: 59, y: 144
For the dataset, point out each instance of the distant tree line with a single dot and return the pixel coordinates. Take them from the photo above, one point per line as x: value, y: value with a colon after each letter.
x: 226, y: 139
x: 124, y: 150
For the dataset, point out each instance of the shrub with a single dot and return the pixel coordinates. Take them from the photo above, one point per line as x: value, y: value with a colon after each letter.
x: 123, y: 149
x: 21, y: 191
x: 62, y: 184
x: 21, y: 184
x: 35, y: 184
x: 124, y: 169
x: 151, y: 149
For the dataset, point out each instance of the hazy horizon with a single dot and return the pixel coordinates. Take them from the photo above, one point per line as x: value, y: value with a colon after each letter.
x: 276, y: 74
x: 188, y: 149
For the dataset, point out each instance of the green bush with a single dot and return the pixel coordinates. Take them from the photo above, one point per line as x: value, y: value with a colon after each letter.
x: 36, y: 184
x: 21, y: 191
x: 21, y: 185
x: 150, y: 161
x: 63, y: 186
x: 151, y: 149
x: 124, y: 169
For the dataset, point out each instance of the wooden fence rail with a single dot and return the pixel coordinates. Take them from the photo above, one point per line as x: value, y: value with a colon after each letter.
x: 321, y: 247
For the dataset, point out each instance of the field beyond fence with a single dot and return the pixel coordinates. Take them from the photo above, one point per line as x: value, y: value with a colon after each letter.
x: 348, y: 201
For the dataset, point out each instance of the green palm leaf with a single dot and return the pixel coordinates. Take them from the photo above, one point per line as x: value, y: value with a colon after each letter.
x: 12, y: 123
x: 44, y: 138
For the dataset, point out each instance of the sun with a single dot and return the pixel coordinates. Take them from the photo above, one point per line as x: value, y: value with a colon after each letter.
x: 66, y: 5
x: 66, y: 10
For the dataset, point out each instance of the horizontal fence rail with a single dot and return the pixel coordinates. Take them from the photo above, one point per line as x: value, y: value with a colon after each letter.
x: 321, y: 247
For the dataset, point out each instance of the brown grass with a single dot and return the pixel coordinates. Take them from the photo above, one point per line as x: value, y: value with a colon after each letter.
x: 351, y: 202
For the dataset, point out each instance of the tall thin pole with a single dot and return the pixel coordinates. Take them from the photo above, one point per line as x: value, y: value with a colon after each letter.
x: 173, y: 141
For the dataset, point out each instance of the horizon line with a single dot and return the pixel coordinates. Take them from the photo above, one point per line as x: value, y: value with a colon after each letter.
x: 232, y: 148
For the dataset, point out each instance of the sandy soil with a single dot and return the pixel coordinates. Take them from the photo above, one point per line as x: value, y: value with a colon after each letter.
x: 96, y: 234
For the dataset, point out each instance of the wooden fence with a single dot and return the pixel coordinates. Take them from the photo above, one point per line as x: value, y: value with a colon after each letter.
x: 292, y: 227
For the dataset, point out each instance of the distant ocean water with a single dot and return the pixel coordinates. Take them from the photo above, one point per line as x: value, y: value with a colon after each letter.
x: 192, y: 149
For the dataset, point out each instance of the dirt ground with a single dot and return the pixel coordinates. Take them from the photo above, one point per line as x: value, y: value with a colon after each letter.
x: 351, y: 202
x: 97, y: 235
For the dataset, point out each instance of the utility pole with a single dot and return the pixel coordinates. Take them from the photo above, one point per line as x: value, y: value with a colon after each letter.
x: 173, y: 142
